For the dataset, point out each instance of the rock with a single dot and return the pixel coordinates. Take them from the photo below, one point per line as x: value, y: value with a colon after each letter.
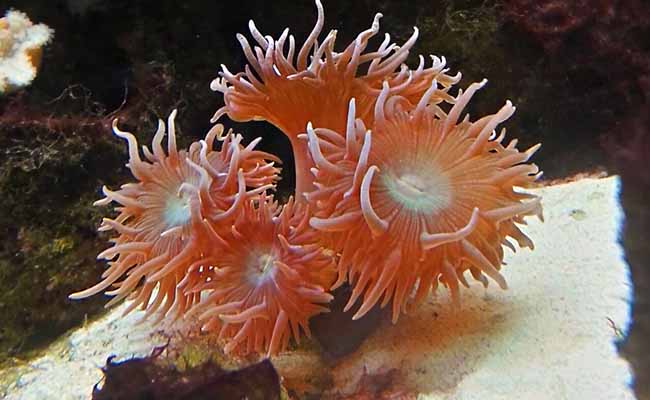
x: 551, y: 335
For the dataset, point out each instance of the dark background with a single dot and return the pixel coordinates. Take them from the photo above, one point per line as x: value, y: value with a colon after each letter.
x: 578, y: 72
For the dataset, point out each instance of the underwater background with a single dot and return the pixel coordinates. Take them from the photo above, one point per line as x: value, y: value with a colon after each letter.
x: 578, y: 72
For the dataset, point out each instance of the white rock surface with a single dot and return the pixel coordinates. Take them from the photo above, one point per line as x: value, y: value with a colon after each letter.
x: 549, y: 336
x: 71, y: 367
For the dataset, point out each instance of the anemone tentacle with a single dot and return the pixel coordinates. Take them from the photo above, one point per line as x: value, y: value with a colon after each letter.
x: 290, y: 91
x: 419, y: 199
x: 161, y: 233
x: 269, y: 278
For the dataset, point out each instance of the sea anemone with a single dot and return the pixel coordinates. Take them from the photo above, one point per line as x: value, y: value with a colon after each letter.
x: 395, y: 193
x: 269, y: 276
x: 419, y: 198
x: 160, y: 225
x: 316, y: 84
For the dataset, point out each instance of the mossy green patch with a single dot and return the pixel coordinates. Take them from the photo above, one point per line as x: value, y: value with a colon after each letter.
x: 48, y: 242
x: 464, y: 31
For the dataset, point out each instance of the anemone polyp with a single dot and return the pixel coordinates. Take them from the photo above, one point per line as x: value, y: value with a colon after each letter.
x: 289, y: 86
x: 269, y: 276
x: 419, y: 198
x: 160, y: 225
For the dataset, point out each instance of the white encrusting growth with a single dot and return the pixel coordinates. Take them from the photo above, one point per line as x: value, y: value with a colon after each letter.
x: 21, y: 44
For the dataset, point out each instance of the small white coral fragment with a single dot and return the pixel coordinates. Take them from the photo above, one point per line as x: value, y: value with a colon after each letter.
x: 21, y: 44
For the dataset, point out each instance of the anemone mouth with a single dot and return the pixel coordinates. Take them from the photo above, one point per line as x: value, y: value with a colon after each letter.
x: 176, y: 211
x: 423, y: 190
x: 168, y: 202
x: 260, y: 267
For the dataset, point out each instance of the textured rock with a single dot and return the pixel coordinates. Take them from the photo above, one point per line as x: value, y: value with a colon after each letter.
x: 552, y: 334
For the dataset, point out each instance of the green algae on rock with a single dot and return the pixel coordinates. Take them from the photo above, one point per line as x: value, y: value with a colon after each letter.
x: 47, y: 232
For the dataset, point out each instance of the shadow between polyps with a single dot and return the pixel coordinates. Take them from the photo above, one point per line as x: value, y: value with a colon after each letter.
x: 435, y: 346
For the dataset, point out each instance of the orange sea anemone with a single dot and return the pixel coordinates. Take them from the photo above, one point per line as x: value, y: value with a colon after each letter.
x: 316, y: 84
x: 269, y: 276
x: 161, y: 217
x: 420, y: 198
x: 395, y: 192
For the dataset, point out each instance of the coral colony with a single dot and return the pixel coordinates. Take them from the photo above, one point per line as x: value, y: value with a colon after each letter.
x: 21, y: 44
x: 396, y: 193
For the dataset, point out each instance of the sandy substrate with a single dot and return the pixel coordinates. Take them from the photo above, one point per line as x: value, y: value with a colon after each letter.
x: 551, y: 335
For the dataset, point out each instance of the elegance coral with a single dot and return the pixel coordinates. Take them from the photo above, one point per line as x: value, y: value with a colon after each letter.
x: 269, y: 276
x: 21, y: 44
x: 420, y: 198
x: 290, y: 91
x: 161, y: 221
